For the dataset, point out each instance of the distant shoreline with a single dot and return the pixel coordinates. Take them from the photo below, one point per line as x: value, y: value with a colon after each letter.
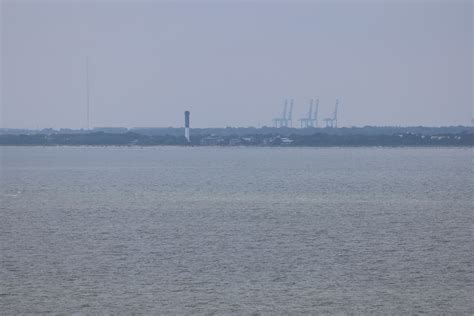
x: 101, y: 139
x: 241, y: 146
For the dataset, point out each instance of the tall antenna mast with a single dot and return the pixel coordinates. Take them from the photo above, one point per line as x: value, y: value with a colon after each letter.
x: 87, y: 93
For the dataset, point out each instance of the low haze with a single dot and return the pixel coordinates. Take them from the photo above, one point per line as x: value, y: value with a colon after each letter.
x: 391, y: 63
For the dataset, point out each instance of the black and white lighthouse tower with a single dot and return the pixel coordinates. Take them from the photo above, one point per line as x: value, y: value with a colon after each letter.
x: 186, y: 126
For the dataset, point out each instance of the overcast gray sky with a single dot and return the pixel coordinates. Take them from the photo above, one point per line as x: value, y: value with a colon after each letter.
x: 391, y: 62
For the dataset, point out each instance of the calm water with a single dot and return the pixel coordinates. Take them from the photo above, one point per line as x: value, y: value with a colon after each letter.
x: 236, y: 230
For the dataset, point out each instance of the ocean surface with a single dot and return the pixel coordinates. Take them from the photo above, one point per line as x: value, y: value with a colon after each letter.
x: 174, y: 230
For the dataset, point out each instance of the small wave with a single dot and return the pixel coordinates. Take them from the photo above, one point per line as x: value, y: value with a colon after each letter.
x: 12, y: 194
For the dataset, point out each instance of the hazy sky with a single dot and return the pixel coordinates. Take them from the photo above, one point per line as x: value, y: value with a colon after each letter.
x: 234, y: 63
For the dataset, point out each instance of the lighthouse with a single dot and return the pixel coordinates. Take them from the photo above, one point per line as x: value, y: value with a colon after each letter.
x: 186, y: 126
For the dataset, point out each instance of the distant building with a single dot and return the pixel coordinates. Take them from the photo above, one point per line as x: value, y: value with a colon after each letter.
x: 235, y: 141
x: 212, y: 140
x: 111, y: 130
x: 248, y: 140
x: 286, y: 141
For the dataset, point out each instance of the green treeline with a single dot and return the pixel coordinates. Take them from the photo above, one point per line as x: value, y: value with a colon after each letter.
x: 314, y: 140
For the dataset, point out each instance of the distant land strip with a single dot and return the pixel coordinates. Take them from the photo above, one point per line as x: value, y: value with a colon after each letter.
x: 222, y: 137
